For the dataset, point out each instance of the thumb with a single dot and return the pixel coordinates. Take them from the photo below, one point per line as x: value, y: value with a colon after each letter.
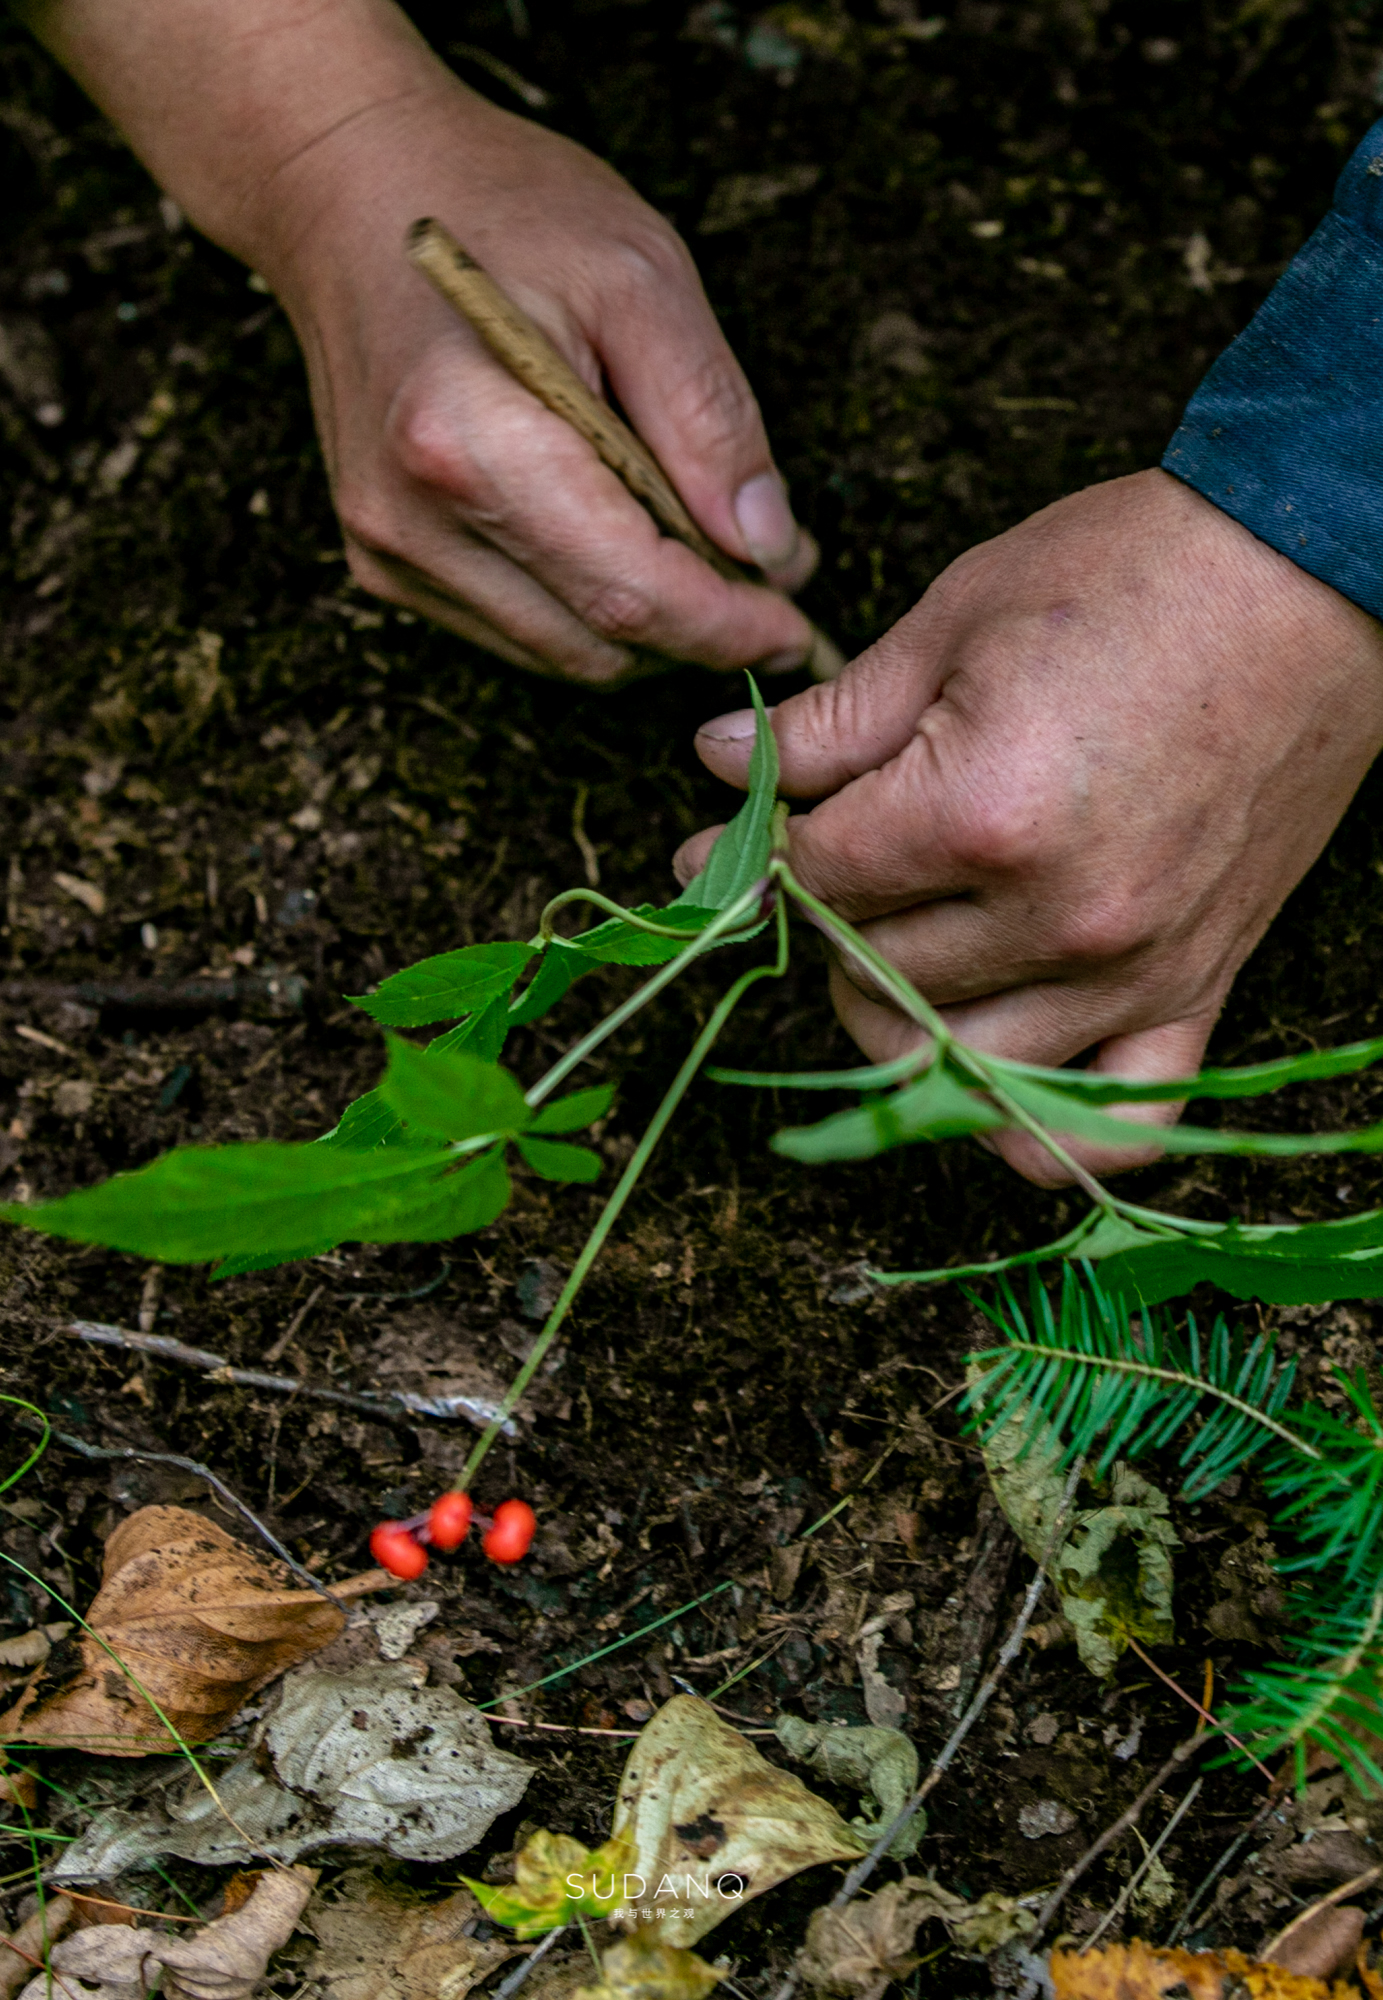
x: 671, y: 368
x: 837, y: 730
x: 1150, y: 1055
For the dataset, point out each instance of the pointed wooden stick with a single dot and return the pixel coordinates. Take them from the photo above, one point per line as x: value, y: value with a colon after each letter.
x: 525, y: 350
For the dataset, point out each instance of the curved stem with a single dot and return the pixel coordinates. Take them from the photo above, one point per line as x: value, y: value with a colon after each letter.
x: 702, y: 941
x: 546, y: 933
x: 628, y: 1180
x: 1084, y: 1179
x: 848, y: 938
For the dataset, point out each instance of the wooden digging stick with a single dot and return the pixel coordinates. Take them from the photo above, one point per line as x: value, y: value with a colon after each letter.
x: 528, y: 354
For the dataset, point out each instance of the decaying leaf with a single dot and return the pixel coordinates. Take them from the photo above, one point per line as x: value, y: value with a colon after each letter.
x: 35, y: 1934
x: 858, y: 1951
x: 643, y: 1967
x: 198, y: 1619
x: 378, y: 1943
x: 713, y: 1824
x: 1138, y: 1971
x: 1113, y: 1570
x: 979, y: 1928
x: 224, y: 1960
x: 364, y: 1756
x: 556, y: 1880
x: 880, y: 1764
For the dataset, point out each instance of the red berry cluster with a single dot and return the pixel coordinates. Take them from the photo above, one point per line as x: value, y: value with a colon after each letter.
x: 401, y: 1546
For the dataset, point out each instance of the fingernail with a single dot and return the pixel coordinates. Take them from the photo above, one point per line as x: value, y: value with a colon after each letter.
x: 786, y: 662
x: 765, y: 520
x: 732, y: 728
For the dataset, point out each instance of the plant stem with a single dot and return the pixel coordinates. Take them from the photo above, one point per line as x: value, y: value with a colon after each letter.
x: 702, y: 941
x: 1086, y: 1181
x: 849, y: 940
x: 628, y: 1180
x: 546, y: 933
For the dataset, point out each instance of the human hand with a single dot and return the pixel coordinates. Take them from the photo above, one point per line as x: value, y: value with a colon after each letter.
x: 306, y: 136
x: 1067, y: 792
x: 460, y: 495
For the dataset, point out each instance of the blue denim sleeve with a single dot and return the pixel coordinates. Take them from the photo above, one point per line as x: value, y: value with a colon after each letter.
x: 1286, y: 431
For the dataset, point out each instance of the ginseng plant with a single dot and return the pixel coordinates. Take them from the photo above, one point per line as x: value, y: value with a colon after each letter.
x: 423, y: 1156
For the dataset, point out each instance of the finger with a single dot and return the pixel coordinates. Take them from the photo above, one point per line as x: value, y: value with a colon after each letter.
x: 692, y: 856
x: 526, y: 483
x: 686, y: 395
x: 838, y: 730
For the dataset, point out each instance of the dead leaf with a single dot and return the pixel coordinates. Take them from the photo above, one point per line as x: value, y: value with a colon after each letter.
x: 202, y: 1623
x: 224, y: 1960
x: 859, y: 1950
x: 1113, y: 1570
x: 378, y: 1943
x: 17, y: 1788
x: 1324, y: 1944
x: 880, y: 1764
x: 365, y: 1757
x: 1138, y: 1971
x: 981, y: 1927
x: 44, y: 1927
x: 713, y: 1823
x: 644, y: 1967
x: 31, y: 1649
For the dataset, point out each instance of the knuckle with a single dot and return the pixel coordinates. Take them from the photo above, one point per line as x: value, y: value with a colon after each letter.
x: 425, y: 445
x: 366, y: 520
x: 1107, y: 925
x: 713, y: 406
x: 620, y: 610
x: 997, y: 835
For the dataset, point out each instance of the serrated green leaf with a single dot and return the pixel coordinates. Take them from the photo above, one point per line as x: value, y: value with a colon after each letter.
x: 483, y: 1034
x: 249, y: 1260
x: 555, y: 1160
x: 200, y: 1203
x: 741, y: 855
x: 454, y: 1095
x: 569, y: 1114
x: 446, y: 986
x: 937, y: 1106
x: 1251, y: 1081
x: 1157, y: 1272
x: 612, y: 943
x: 365, y: 1123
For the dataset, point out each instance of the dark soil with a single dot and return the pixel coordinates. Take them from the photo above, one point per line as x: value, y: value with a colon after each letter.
x: 259, y: 771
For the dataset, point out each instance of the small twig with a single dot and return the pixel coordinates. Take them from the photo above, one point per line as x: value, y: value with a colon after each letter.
x: 1274, y: 1945
x: 512, y: 1981
x: 566, y: 1728
x: 1226, y: 1860
x: 398, y: 1407
x: 127, y: 1452
x: 1126, y: 1819
x: 282, y: 1344
x: 1116, y: 1909
x: 1012, y: 1646
x: 1201, y: 1710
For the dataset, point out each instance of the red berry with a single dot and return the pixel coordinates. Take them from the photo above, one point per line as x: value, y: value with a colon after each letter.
x: 449, y: 1521
x: 511, y: 1537
x: 394, y: 1549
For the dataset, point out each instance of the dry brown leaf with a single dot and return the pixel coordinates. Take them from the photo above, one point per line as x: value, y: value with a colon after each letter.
x: 1138, y: 1971
x: 17, y: 1788
x: 1323, y: 1944
x: 45, y: 1925
x: 376, y: 1944
x: 201, y: 1622
x: 713, y: 1823
x: 227, y: 1959
x: 857, y: 1951
x: 224, y: 1960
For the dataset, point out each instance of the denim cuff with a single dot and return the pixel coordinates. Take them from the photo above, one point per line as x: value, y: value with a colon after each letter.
x: 1286, y: 431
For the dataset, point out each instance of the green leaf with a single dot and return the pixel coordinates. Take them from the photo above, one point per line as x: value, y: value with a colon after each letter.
x: 455, y: 1095
x: 555, y: 1160
x: 741, y: 855
x: 569, y: 1114
x: 1094, y: 1236
x: 366, y: 1123
x: 250, y: 1260
x: 612, y: 943
x: 937, y: 1106
x: 1171, y: 1267
x: 483, y: 1034
x: 871, y: 1076
x: 1066, y: 1115
x: 200, y: 1203
x: 442, y: 988
x: 1252, y: 1081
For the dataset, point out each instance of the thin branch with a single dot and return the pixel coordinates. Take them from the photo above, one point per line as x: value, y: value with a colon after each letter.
x: 1116, y: 1909
x: 1370, y: 1875
x: 398, y: 1407
x: 1226, y: 1860
x: 1126, y: 1819
x: 511, y: 1983
x: 862, y: 1870
x: 127, y: 1452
